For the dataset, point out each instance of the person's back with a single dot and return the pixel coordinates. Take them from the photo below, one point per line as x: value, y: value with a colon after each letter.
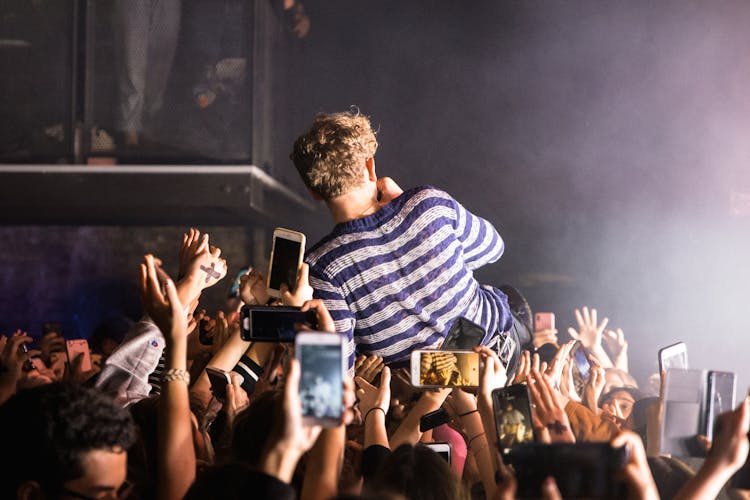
x: 397, y: 269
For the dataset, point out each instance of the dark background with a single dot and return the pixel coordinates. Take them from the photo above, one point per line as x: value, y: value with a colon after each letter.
x: 606, y: 141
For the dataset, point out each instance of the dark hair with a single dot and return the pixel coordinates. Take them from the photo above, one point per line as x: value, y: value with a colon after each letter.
x: 48, y: 428
x: 418, y: 473
x: 253, y: 427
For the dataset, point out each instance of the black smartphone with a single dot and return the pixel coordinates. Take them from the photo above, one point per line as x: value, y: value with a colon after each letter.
x: 287, y: 250
x: 433, y: 419
x: 581, y: 360
x: 581, y: 470
x: 463, y: 335
x: 720, y: 398
x: 219, y: 380
x: 274, y: 323
x: 512, y: 408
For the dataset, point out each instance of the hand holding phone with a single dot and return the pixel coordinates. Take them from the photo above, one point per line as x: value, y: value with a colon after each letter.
x: 513, y: 422
x: 79, y: 347
x: 432, y: 368
x: 321, y: 385
x: 287, y: 250
x: 274, y: 323
x: 219, y: 380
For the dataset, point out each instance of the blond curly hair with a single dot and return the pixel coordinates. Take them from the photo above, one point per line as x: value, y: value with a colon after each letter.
x: 330, y: 155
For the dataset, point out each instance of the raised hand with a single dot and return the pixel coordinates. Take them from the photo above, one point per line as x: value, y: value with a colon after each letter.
x: 237, y: 399
x: 547, y: 410
x: 594, y: 386
x: 556, y: 366
x: 368, y: 367
x: 253, y: 289
x: 322, y: 316
x: 12, y: 359
x: 590, y: 332
x: 163, y: 308
x: 371, y: 397
x: 201, y: 263
x: 541, y: 337
x: 618, y: 347
x: 636, y: 473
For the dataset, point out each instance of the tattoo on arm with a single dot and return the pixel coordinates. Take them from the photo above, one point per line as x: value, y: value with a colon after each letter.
x: 211, y: 272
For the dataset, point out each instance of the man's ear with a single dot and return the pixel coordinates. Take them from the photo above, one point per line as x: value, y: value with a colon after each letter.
x: 370, y: 164
x: 29, y: 490
x: 315, y: 196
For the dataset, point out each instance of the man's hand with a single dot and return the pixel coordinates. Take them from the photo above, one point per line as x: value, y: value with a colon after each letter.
x: 302, y: 293
x: 636, y: 473
x: 368, y: 367
x: 590, y: 332
x: 253, y: 290
x: 492, y: 375
x: 322, y: 316
x: 547, y: 410
x: 200, y: 263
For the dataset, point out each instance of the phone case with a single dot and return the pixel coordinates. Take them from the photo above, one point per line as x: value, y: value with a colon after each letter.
x: 544, y: 321
x: 76, y: 347
x: 433, y: 419
x: 322, y: 368
x: 287, y: 250
x: 684, y: 407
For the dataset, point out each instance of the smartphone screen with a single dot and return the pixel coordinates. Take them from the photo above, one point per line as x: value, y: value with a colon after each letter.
x: 285, y: 263
x: 721, y: 388
x: 512, y: 416
x: 582, y: 362
x: 445, y: 368
x: 682, y: 421
x: 219, y: 380
x: 273, y: 324
x: 442, y: 449
x: 673, y: 357
x: 321, y: 379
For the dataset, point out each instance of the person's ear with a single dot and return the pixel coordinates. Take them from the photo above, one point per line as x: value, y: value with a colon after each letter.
x: 29, y: 490
x: 314, y: 195
x: 370, y: 164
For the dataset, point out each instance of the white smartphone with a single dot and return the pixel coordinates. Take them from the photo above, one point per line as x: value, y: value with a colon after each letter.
x: 442, y: 449
x: 720, y: 398
x: 287, y: 251
x: 432, y: 368
x: 321, y: 384
x: 673, y: 357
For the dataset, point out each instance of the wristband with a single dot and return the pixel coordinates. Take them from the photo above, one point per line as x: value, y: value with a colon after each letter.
x: 468, y: 413
x: 176, y: 374
x: 364, y: 420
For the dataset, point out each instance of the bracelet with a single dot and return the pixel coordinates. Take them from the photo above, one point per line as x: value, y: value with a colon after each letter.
x: 174, y: 374
x: 477, y: 436
x: 468, y: 413
x: 364, y: 420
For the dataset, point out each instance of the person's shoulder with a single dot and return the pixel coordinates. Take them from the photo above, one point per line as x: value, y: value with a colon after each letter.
x: 427, y: 192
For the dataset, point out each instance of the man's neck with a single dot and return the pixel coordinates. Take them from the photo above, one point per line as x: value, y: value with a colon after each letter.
x: 357, y: 203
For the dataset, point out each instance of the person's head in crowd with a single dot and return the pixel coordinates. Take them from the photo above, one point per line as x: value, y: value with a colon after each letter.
x: 418, y: 473
x: 614, y: 377
x: 67, y: 441
x: 109, y: 334
x: 253, y: 426
x: 619, y: 402
x: 331, y: 154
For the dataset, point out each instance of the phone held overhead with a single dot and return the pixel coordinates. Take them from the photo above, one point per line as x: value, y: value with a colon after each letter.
x: 287, y: 251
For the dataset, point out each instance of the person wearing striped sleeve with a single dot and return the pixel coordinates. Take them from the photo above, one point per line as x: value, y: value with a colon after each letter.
x: 397, y: 269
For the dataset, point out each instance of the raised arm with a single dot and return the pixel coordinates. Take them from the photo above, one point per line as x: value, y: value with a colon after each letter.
x: 176, y: 454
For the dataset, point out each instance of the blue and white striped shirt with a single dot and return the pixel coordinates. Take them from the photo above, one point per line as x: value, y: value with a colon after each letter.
x: 396, y: 280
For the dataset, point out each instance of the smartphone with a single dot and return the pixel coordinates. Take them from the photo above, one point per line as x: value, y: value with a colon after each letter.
x: 274, y: 323
x: 76, y: 347
x: 581, y: 360
x: 433, y: 419
x: 581, y: 470
x: 442, y: 449
x: 322, y: 366
x: 463, y: 335
x: 204, y: 335
x: 673, y: 357
x: 512, y: 409
x: 219, y: 380
x: 287, y: 250
x: 720, y: 390
x: 544, y: 321
x: 431, y: 368
x: 683, y: 418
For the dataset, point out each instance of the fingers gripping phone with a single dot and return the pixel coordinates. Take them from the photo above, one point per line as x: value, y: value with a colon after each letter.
x: 287, y: 250
x: 219, y: 380
x: 322, y: 367
x: 512, y: 409
x: 274, y: 323
x: 581, y: 359
x: 430, y: 368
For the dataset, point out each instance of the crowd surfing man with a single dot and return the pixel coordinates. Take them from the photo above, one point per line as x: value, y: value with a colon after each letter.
x: 396, y: 271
